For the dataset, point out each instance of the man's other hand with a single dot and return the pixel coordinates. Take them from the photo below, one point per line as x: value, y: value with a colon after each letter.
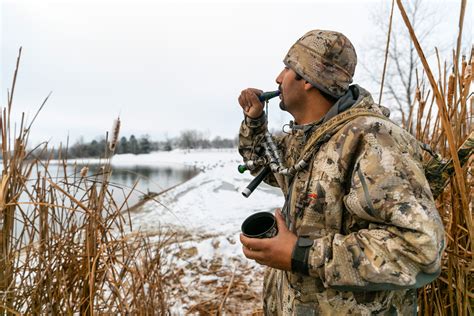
x: 273, y: 252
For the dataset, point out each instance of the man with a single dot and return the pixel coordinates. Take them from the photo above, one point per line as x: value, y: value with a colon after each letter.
x: 359, y: 231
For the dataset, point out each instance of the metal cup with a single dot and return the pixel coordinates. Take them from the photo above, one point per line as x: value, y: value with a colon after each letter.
x: 260, y: 225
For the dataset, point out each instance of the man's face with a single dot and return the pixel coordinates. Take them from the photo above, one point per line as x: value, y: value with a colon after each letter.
x: 291, y: 90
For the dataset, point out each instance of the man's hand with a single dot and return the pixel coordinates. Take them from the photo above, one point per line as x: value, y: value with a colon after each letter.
x: 273, y: 252
x: 250, y: 103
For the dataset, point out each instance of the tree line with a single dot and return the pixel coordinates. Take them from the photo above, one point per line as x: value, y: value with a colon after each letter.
x: 188, y: 139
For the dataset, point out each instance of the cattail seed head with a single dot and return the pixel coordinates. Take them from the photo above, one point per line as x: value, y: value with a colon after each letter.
x: 418, y: 94
x: 468, y: 74
x: 451, y: 83
x: 84, y: 171
x: 115, y: 135
x: 422, y: 104
x: 463, y: 71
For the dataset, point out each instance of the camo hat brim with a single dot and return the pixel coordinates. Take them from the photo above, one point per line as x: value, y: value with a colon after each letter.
x: 326, y: 59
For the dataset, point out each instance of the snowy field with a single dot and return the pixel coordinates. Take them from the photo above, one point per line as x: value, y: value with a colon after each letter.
x: 207, y: 212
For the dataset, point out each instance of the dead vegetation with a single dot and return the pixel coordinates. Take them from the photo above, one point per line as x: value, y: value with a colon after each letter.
x: 66, y: 247
x: 213, y: 285
x: 442, y: 116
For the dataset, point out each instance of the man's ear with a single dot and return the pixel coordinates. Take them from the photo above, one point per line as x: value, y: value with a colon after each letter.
x: 308, y: 86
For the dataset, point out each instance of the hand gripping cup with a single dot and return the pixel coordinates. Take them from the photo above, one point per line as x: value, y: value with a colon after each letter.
x: 260, y: 225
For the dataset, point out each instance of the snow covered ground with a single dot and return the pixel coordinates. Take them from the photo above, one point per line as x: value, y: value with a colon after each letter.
x: 210, y: 202
x: 208, y: 209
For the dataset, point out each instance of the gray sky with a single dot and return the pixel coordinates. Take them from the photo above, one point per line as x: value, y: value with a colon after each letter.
x: 163, y: 66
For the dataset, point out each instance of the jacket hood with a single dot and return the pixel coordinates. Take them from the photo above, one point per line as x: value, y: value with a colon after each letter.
x: 356, y: 96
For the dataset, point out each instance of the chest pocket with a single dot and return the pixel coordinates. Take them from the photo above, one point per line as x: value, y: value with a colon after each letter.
x: 309, y: 205
x: 322, y: 204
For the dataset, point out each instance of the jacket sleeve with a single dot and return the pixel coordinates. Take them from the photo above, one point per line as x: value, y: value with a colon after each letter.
x: 401, y: 247
x: 251, y: 137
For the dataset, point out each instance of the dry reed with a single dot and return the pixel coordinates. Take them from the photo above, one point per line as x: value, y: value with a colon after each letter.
x: 445, y: 129
x: 66, y: 245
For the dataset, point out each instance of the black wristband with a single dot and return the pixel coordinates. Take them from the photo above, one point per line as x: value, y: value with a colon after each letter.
x: 299, y: 257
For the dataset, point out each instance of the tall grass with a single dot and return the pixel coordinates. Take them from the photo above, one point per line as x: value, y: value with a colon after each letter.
x: 442, y: 116
x: 66, y: 245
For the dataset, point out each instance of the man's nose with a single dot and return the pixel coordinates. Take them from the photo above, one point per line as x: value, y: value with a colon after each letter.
x: 279, y: 77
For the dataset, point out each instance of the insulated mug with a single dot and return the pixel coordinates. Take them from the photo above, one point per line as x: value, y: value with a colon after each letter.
x: 260, y: 225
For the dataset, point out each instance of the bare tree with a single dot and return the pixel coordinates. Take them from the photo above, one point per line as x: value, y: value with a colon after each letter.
x: 402, y: 60
x: 189, y: 139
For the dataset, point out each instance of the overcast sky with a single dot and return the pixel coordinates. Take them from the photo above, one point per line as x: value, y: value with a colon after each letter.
x: 163, y: 66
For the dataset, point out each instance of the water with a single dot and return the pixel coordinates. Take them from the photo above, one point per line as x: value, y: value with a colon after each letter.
x: 150, y: 179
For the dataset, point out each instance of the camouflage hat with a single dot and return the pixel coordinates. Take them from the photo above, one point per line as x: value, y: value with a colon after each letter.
x: 326, y: 59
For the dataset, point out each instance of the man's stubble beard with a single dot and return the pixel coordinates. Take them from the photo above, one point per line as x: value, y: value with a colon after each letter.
x: 283, y: 106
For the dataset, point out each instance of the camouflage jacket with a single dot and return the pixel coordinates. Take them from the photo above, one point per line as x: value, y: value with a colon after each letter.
x: 366, y: 203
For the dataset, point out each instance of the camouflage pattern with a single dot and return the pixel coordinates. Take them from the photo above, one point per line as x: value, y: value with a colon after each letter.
x: 366, y: 203
x: 438, y: 171
x: 326, y: 59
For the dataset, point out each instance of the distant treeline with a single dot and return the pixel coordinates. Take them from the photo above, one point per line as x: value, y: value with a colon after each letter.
x: 188, y: 139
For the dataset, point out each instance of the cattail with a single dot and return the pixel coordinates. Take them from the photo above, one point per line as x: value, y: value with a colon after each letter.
x: 463, y: 71
x: 463, y: 64
x: 468, y: 74
x: 451, y: 83
x: 418, y: 94
x: 84, y: 171
x: 115, y: 135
